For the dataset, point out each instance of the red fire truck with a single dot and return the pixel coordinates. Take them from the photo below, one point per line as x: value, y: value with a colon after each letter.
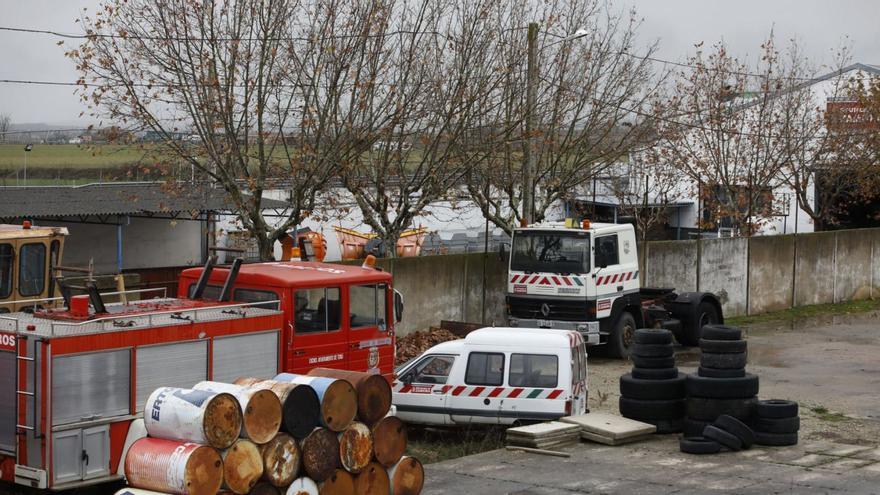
x: 73, y: 380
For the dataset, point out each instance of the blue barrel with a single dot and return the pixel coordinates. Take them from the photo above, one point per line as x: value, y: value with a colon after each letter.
x: 338, y: 398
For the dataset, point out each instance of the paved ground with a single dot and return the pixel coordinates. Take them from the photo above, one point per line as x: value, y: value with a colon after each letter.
x: 830, y: 366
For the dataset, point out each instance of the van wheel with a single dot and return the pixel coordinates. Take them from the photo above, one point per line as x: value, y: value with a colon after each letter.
x: 622, y: 336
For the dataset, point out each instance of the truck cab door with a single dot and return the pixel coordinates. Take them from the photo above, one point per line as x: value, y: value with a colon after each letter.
x: 320, y: 333
x: 608, y: 278
x: 421, y: 392
x: 369, y: 316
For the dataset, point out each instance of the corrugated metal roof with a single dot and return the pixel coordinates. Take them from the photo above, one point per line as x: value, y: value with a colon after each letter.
x: 114, y: 199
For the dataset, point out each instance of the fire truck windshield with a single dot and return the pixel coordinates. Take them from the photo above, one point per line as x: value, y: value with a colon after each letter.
x: 553, y: 252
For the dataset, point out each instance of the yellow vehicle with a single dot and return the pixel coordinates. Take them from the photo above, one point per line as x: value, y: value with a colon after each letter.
x: 28, y: 256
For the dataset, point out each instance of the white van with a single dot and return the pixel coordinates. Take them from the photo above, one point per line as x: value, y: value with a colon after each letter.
x: 495, y: 376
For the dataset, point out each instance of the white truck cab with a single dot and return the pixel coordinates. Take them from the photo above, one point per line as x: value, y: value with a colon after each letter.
x: 495, y: 376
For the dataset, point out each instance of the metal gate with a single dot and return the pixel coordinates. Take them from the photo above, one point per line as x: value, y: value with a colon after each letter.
x: 91, y: 386
x: 252, y: 354
x: 169, y: 365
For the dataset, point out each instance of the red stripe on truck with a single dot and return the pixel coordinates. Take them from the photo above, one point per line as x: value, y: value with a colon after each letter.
x: 554, y: 394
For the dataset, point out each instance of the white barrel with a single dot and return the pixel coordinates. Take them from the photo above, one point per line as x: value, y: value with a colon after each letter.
x: 137, y: 491
x: 303, y: 486
x: 261, y: 409
x: 170, y: 466
x: 197, y: 416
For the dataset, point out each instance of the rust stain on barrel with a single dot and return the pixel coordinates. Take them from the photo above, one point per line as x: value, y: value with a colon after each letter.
x: 372, y: 480
x: 373, y: 392
x: 407, y: 477
x: 339, y: 406
x: 389, y: 440
x: 154, y: 464
x: 242, y: 466
x: 300, y: 407
x: 320, y: 454
x: 281, y: 460
x: 356, y: 447
x: 262, y: 416
x: 340, y: 483
x: 222, y: 424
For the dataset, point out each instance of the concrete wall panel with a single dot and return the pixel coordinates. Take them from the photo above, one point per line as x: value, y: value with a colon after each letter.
x: 814, y: 269
x: 853, y: 265
x: 723, y: 264
x: 672, y: 264
x: 771, y: 273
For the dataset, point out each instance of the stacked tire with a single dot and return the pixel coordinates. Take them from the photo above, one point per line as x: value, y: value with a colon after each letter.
x: 776, y: 423
x: 654, y: 392
x: 721, y: 385
x: 725, y: 432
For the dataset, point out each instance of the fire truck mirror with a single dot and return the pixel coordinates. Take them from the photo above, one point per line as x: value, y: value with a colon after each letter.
x: 398, y: 306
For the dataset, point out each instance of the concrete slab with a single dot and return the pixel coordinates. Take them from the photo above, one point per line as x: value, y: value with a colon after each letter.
x: 845, y: 450
x: 811, y: 460
x: 542, y: 429
x: 610, y: 425
x: 593, y: 437
x: 873, y: 454
x: 843, y: 465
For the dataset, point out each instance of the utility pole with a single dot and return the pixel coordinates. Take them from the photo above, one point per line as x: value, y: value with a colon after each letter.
x: 528, y: 171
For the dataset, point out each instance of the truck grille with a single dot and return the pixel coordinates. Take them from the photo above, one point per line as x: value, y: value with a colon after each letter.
x: 564, y: 310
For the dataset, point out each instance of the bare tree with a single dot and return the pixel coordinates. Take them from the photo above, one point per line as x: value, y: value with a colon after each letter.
x: 5, y: 121
x: 592, y: 103
x: 645, y: 191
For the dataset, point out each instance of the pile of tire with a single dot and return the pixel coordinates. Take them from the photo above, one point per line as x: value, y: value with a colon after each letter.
x: 776, y: 423
x: 721, y: 385
x: 725, y: 432
x: 654, y: 391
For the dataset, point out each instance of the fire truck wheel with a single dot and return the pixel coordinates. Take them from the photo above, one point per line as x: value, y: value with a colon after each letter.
x: 635, y: 388
x: 723, y: 361
x: 722, y: 388
x: 653, y: 336
x: 723, y: 346
x: 654, y: 373
x: 651, y: 409
x: 706, y: 314
x: 622, y: 336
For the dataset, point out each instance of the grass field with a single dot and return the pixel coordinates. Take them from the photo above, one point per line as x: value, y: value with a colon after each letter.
x: 62, y: 156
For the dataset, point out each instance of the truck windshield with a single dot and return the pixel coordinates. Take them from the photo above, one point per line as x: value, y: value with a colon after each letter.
x: 554, y: 252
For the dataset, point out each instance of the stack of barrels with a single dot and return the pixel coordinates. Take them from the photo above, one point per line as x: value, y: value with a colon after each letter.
x: 327, y: 432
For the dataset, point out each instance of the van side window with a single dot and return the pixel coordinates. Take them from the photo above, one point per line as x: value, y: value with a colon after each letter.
x: 32, y: 269
x: 367, y: 305
x: 7, y: 253
x: 211, y: 292
x: 606, y: 251
x: 253, y: 295
x: 485, y: 368
x: 317, y: 310
x: 432, y: 369
x: 533, y: 370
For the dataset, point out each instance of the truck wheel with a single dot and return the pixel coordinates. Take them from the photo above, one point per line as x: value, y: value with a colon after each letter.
x: 705, y: 314
x: 622, y: 336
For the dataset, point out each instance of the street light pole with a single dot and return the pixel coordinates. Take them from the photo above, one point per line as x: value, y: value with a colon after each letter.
x: 528, y: 171
x: 27, y: 150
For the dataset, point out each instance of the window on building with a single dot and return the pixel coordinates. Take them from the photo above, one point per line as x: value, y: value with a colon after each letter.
x: 533, y: 370
x: 7, y: 255
x: 255, y: 296
x: 485, y: 368
x: 367, y: 306
x: 32, y: 269
x: 317, y: 310
x: 606, y: 251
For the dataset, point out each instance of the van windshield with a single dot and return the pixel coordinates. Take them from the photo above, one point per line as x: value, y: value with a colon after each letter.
x: 554, y: 252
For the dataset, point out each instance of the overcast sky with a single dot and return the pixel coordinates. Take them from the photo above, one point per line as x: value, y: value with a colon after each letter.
x: 820, y: 25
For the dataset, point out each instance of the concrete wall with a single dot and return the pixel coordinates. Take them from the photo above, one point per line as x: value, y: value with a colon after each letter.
x: 672, y: 264
x: 723, y: 264
x: 814, y: 269
x: 853, y: 260
x: 771, y: 273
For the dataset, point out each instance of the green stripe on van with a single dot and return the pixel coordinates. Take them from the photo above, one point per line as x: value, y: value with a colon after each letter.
x: 534, y: 393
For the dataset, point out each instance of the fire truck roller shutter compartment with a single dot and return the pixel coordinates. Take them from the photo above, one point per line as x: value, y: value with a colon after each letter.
x: 91, y: 386
x: 250, y: 355
x: 7, y: 401
x: 169, y: 365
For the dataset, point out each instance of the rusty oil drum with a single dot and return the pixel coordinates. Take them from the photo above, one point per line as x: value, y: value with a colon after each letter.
x: 341, y: 482
x: 197, y: 416
x: 389, y: 440
x: 338, y: 398
x: 281, y: 460
x: 320, y: 454
x: 170, y: 466
x: 355, y: 447
x: 373, y: 392
x: 407, y: 477
x: 242, y: 466
x: 373, y: 480
x: 264, y: 488
x: 261, y: 409
x: 300, y: 408
x: 303, y: 486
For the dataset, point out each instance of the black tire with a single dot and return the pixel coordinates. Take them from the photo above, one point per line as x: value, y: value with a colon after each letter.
x: 723, y: 361
x: 726, y: 439
x: 778, y: 425
x: 722, y: 388
x: 654, y: 373
x: 715, y: 331
x: 723, y: 346
x: 698, y: 445
x: 622, y: 334
x: 709, y: 409
x: 651, y: 409
x: 776, y: 439
x: 636, y: 388
x: 666, y: 426
x: 652, y: 336
x: 694, y: 427
x: 692, y: 330
x: 653, y: 363
x: 716, y: 373
x: 652, y: 350
x: 776, y: 409
x: 737, y: 428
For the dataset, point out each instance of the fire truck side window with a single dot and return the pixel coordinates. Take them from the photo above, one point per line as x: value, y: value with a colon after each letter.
x: 7, y: 254
x: 317, y: 310
x: 253, y: 295
x: 367, y: 306
x: 32, y: 269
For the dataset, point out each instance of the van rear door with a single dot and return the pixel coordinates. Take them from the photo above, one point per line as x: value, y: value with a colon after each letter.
x: 578, y: 374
